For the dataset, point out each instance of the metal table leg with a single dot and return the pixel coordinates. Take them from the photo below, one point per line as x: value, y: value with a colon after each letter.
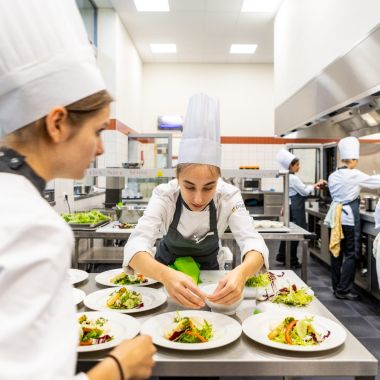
x: 287, y: 254
x: 305, y: 258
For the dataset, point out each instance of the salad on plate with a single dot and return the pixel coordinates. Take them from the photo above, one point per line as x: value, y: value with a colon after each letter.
x: 292, y: 296
x: 123, y: 299
x: 190, y: 330
x: 297, y: 332
x: 128, y: 279
x: 93, y: 331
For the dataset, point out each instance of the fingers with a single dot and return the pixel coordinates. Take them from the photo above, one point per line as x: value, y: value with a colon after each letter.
x: 179, y: 298
x: 218, y: 295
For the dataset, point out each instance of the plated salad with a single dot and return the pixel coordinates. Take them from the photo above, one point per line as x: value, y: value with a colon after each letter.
x: 297, y: 332
x: 190, y: 330
x: 292, y: 296
x: 124, y: 299
x: 93, y: 331
x: 258, y: 281
x: 128, y: 279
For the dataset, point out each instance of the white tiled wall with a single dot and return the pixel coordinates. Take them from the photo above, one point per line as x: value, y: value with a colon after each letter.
x: 262, y: 155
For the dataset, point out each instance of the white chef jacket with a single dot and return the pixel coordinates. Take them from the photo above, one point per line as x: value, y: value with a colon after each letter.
x: 345, y: 185
x: 376, y: 242
x: 39, y: 334
x: 230, y: 211
x: 296, y: 186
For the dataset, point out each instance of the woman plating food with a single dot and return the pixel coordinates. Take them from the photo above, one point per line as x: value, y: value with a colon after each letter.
x: 193, y: 212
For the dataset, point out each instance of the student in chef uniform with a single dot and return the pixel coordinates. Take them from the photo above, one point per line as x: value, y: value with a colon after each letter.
x: 298, y: 193
x: 193, y: 211
x: 343, y: 217
x: 53, y: 107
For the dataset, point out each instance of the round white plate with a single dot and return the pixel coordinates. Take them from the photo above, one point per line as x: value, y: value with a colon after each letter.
x: 77, y: 275
x: 151, y: 298
x: 121, y: 327
x: 105, y: 277
x: 78, y: 296
x: 258, y: 326
x: 226, y: 330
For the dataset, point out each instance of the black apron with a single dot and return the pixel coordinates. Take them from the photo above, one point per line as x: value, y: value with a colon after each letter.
x: 297, y: 210
x: 355, y: 207
x: 14, y: 163
x: 174, y: 245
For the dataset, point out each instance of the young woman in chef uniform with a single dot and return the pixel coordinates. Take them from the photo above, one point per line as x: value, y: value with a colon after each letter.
x: 192, y: 211
x: 53, y: 107
x: 298, y: 193
x: 344, y: 185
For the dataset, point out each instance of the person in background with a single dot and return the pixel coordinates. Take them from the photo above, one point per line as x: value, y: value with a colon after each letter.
x: 192, y: 212
x: 53, y: 108
x: 343, y: 217
x: 298, y: 192
x: 376, y: 243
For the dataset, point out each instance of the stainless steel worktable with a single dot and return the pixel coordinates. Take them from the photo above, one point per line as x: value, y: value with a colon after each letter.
x: 247, y: 358
x: 295, y: 233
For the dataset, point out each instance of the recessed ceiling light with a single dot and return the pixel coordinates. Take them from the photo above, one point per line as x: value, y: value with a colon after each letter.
x: 163, y: 48
x: 152, y: 5
x: 243, y: 48
x: 260, y: 5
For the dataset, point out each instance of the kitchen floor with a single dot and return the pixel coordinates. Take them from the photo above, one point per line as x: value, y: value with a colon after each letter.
x: 362, y: 317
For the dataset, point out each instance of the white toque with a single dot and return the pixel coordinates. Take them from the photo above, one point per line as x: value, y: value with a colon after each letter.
x: 200, y: 142
x: 46, y: 60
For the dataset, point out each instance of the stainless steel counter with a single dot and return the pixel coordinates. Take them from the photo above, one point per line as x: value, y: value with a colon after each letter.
x: 295, y: 233
x: 247, y: 358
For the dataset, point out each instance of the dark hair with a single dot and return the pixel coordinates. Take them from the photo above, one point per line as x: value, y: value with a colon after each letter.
x: 181, y: 167
x: 347, y: 160
x: 294, y: 161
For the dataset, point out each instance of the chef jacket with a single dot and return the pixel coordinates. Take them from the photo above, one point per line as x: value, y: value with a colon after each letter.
x: 39, y: 334
x: 296, y: 186
x: 345, y: 185
x: 230, y: 211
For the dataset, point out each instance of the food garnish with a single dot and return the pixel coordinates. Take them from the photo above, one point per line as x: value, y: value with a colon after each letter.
x: 292, y: 296
x: 190, y: 330
x: 124, y: 299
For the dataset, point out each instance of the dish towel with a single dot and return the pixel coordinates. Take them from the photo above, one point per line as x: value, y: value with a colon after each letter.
x: 336, y: 231
x: 188, y: 266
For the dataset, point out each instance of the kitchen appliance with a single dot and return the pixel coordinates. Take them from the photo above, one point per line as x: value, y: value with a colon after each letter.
x: 370, y: 202
x: 114, y: 187
x: 130, y: 214
x: 251, y: 184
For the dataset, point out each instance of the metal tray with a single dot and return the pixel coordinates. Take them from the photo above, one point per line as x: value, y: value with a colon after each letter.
x: 87, y: 226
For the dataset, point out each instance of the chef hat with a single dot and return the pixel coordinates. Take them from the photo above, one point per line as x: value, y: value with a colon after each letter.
x: 349, y: 148
x: 46, y: 60
x: 200, y: 142
x: 285, y: 158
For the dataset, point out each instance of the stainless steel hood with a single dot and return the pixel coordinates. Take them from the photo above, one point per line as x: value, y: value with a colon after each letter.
x: 343, y: 100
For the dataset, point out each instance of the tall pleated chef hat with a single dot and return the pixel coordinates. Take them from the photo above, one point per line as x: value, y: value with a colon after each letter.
x: 46, y: 60
x: 349, y: 148
x: 200, y: 143
x: 285, y: 158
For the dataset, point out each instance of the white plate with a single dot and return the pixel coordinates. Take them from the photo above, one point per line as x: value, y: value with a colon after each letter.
x: 258, y: 326
x: 226, y: 330
x: 78, y: 296
x: 77, y: 275
x: 121, y: 327
x: 105, y: 277
x: 151, y: 298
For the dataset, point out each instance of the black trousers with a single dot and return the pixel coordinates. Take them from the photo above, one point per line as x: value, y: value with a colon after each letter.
x: 343, y: 267
x: 293, y: 252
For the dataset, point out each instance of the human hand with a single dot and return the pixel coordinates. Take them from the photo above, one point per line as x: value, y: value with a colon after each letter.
x: 136, y: 357
x: 230, y: 288
x: 183, y: 290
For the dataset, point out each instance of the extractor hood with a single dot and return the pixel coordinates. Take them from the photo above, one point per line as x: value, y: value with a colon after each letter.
x: 343, y: 100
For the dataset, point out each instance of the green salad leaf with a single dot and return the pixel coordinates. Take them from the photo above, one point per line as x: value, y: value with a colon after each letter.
x: 292, y: 296
x: 90, y: 217
x: 258, y: 281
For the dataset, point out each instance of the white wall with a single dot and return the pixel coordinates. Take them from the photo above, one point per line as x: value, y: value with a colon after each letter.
x: 245, y: 92
x: 121, y: 67
x: 310, y: 34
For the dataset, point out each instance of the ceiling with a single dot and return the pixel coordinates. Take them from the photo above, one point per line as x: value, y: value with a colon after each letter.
x: 203, y: 30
